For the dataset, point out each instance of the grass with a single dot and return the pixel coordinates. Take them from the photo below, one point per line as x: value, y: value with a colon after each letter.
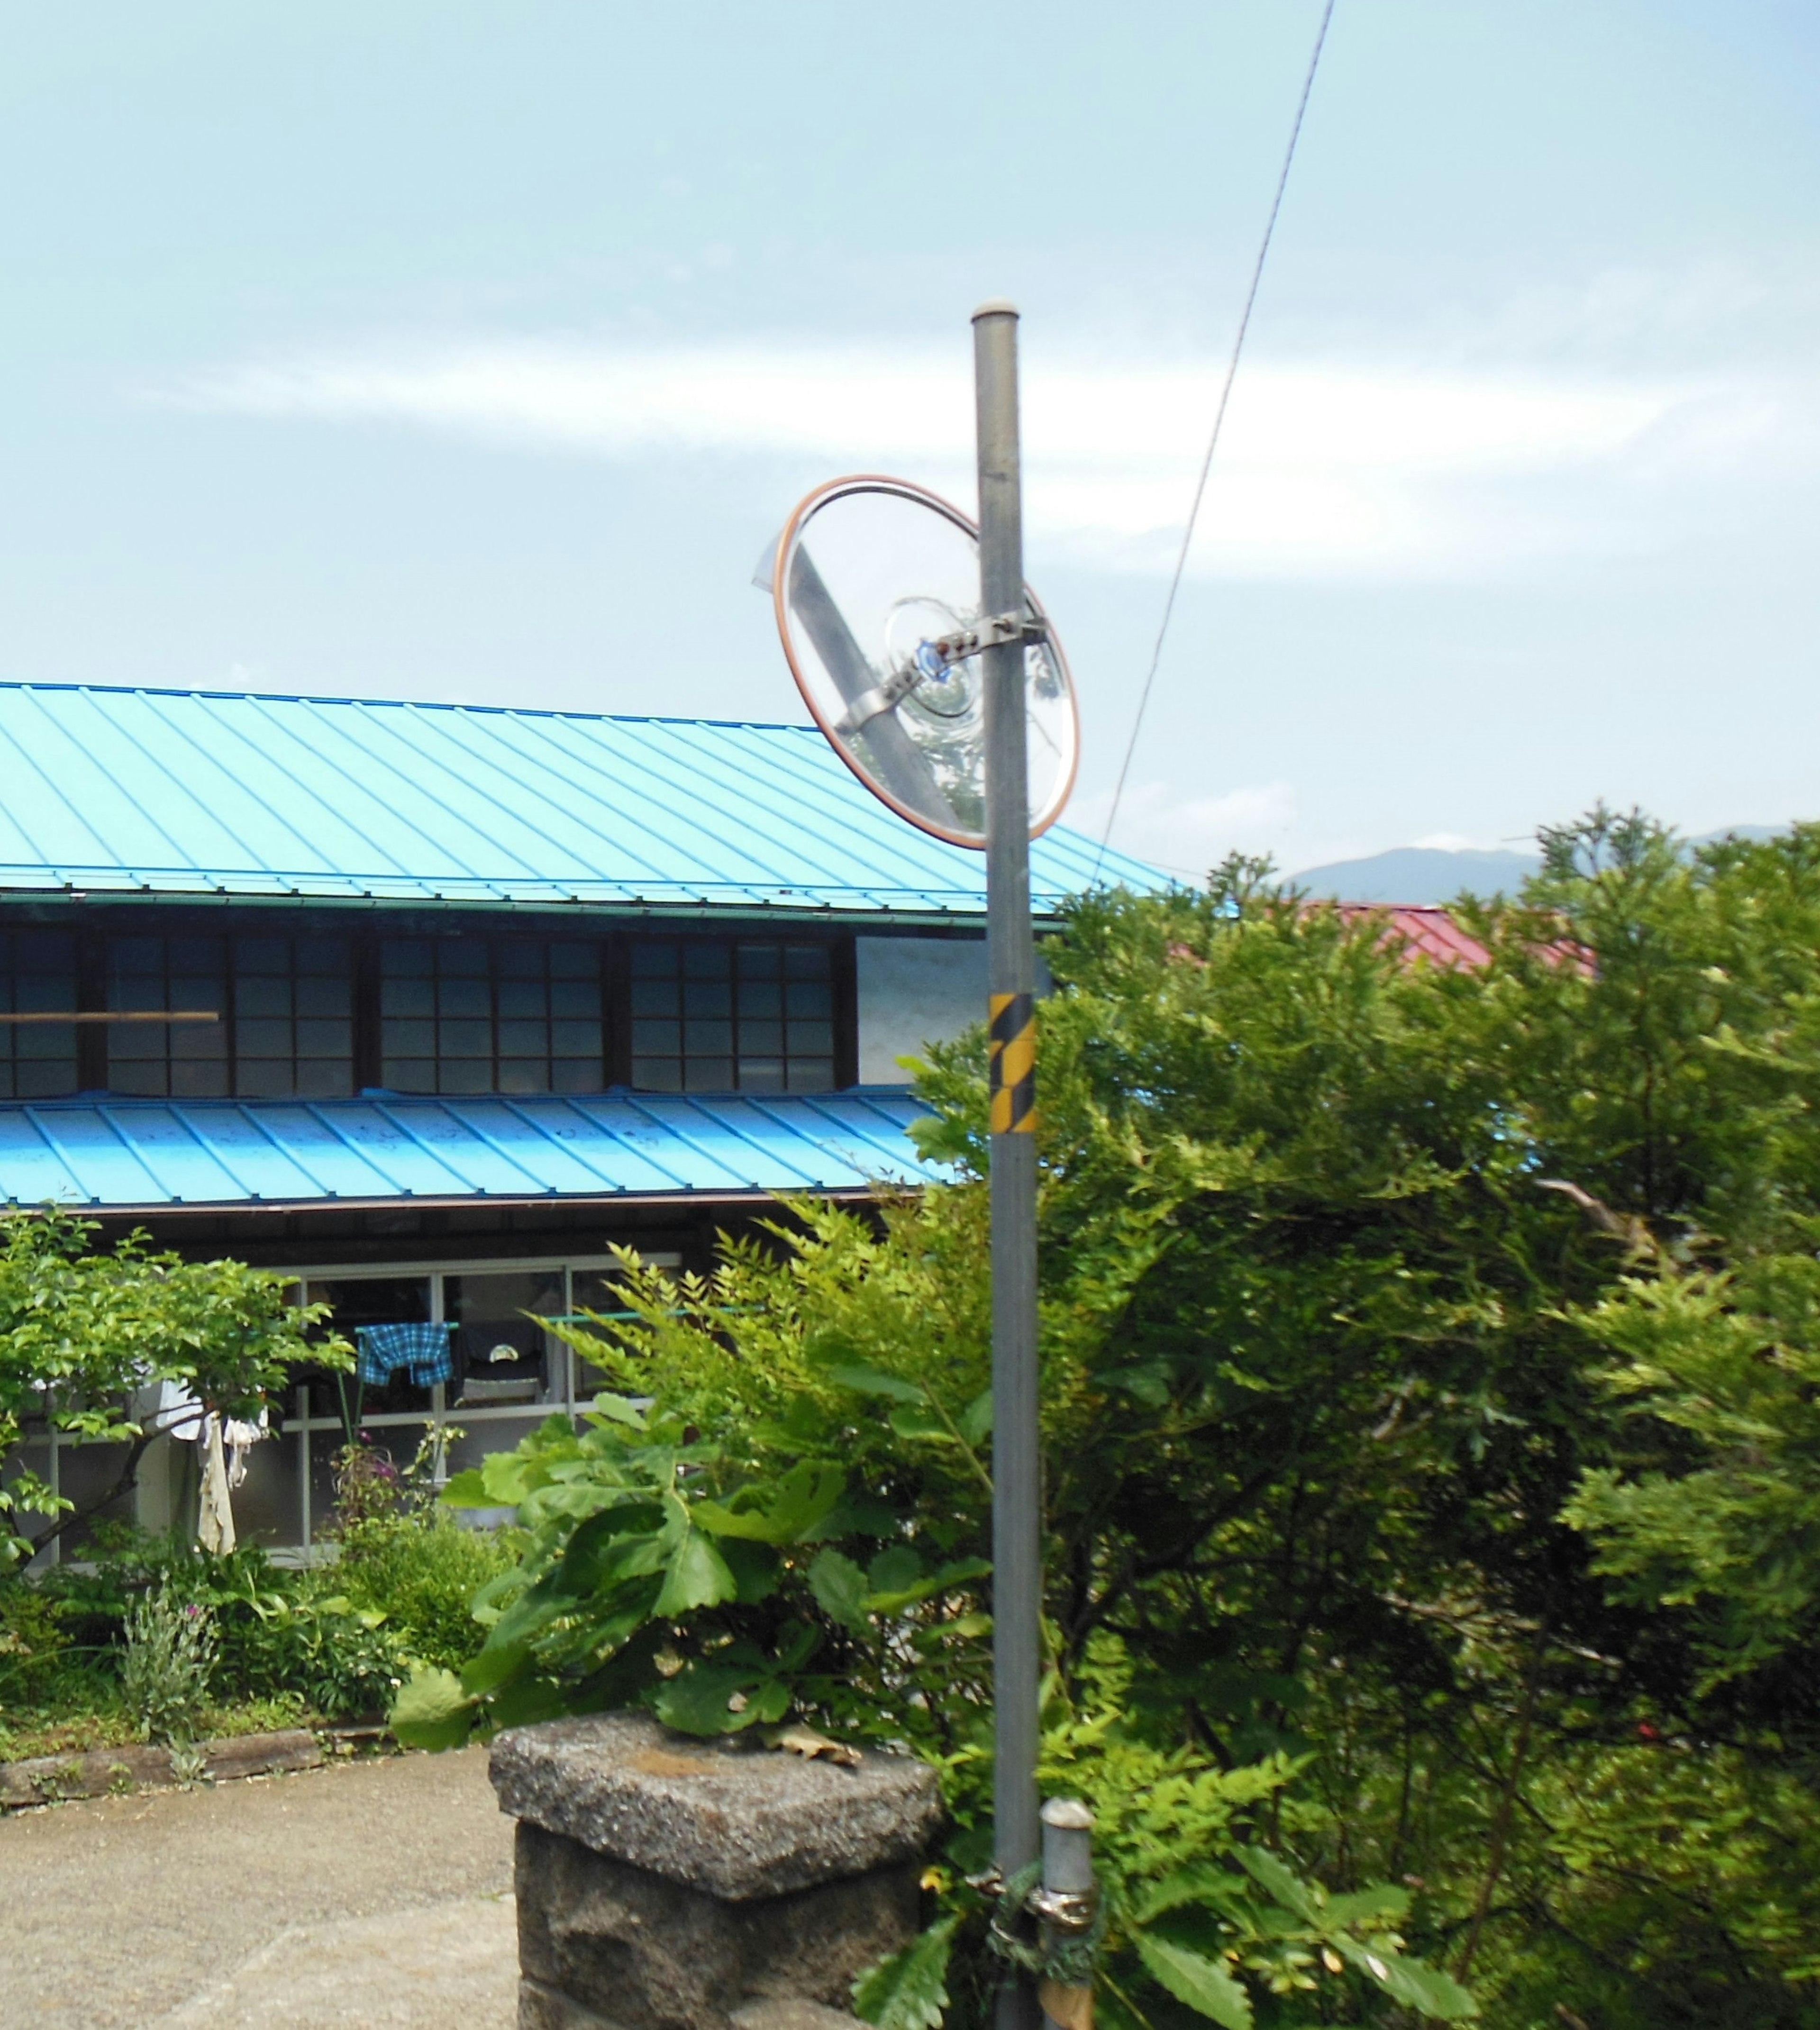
x: 25, y: 1735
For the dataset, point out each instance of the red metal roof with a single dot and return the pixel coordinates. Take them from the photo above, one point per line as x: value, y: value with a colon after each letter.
x: 1426, y: 931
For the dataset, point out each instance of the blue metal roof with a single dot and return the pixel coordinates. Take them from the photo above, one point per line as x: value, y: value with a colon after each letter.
x: 148, y: 1154
x: 214, y: 793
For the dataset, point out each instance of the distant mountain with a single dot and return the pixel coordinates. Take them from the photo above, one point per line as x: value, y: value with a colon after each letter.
x: 1419, y: 874
x: 1430, y: 874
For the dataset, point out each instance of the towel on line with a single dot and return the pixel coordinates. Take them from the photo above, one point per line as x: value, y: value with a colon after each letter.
x: 423, y: 1348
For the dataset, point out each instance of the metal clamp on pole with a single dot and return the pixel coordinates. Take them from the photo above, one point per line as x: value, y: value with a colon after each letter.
x: 1003, y: 630
x: 1068, y: 1908
x: 873, y: 703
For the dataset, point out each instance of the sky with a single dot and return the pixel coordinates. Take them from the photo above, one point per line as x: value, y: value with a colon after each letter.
x: 477, y: 351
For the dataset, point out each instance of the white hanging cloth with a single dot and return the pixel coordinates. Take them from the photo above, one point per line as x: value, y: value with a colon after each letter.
x: 171, y: 1411
x: 239, y: 1438
x: 215, y: 1520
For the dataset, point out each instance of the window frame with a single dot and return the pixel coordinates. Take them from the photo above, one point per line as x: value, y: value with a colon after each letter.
x: 843, y: 1055
x: 94, y: 939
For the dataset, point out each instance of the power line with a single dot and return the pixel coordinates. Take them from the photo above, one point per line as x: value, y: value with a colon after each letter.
x: 1213, y: 439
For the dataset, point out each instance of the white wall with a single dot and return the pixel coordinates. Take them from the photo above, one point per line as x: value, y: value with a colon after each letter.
x: 914, y: 991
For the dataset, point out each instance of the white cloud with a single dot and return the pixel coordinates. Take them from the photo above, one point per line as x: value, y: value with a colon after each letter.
x: 1325, y: 470
x: 1190, y: 834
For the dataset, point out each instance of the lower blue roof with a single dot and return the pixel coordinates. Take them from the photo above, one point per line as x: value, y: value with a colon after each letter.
x: 149, y: 1154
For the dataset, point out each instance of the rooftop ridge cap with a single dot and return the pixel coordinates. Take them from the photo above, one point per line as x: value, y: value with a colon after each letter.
x: 405, y: 703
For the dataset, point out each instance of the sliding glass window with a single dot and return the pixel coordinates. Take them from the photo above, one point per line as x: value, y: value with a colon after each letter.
x: 37, y: 978
x: 293, y: 1017
x: 504, y: 1015
x: 714, y: 1016
x: 149, y: 976
x: 283, y: 1006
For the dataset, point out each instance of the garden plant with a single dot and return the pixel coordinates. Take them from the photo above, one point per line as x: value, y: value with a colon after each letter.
x: 1431, y: 1480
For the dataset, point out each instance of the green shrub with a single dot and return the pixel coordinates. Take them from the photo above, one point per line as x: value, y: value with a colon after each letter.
x: 281, y: 1635
x: 34, y: 1647
x: 315, y: 1644
x: 170, y: 1654
x: 422, y: 1575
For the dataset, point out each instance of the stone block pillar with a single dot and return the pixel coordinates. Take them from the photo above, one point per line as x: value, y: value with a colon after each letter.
x: 668, y: 1883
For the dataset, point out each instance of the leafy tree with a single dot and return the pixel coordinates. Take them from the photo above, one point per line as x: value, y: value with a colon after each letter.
x: 1428, y: 1352
x: 82, y: 1330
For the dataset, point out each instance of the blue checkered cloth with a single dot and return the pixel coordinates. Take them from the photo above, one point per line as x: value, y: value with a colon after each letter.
x: 424, y: 1349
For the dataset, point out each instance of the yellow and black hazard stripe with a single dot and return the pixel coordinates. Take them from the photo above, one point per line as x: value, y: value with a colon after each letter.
x: 1012, y: 1034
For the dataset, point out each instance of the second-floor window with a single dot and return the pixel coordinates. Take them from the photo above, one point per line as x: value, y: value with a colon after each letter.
x: 709, y: 1017
x: 37, y: 977
x: 319, y: 1015
x: 508, y: 1015
x: 284, y: 1009
x: 180, y: 1059
x: 293, y: 1017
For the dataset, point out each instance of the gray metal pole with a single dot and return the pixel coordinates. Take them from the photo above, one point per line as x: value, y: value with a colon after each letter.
x: 1016, y: 1465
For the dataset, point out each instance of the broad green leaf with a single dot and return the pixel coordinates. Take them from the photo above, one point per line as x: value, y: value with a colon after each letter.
x: 1147, y: 1382
x: 1416, y: 1985
x: 754, y: 1569
x: 854, y: 1515
x: 505, y: 1480
x: 558, y: 1499
x: 497, y: 1591
x: 1202, y: 1983
x: 1380, y: 1900
x: 839, y: 1586
x: 754, y: 1525
x: 908, y: 1991
x: 917, y: 1420
x: 621, y: 1409
x: 527, y: 1701
x: 1186, y: 1885
x: 975, y: 1420
x: 637, y: 1557
x: 893, y: 1570
x: 492, y: 1666
x: 769, y: 1701
x: 696, y: 1576
x: 864, y: 1379
x: 926, y: 1589
x: 431, y: 1711
x: 807, y: 1493
x: 467, y: 1489
x: 594, y: 1554
x: 810, y: 1491
x: 699, y: 1699
x: 528, y: 1616
x: 1271, y: 1875
x: 629, y: 1607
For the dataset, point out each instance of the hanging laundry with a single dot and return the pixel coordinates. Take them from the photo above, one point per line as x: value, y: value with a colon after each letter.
x: 169, y: 1409
x: 422, y: 1348
x: 215, y: 1518
x: 239, y: 1437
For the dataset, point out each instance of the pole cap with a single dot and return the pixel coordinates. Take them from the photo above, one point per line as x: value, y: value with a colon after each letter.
x: 996, y: 307
x: 1069, y: 1814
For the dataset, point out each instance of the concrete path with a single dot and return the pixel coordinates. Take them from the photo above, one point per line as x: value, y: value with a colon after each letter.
x: 370, y: 1893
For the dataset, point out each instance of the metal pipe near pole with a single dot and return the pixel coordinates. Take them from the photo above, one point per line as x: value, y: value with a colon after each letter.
x: 1016, y: 1465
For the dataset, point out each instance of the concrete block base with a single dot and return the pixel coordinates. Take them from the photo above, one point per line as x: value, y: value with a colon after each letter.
x: 631, y: 1949
x: 666, y: 1885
